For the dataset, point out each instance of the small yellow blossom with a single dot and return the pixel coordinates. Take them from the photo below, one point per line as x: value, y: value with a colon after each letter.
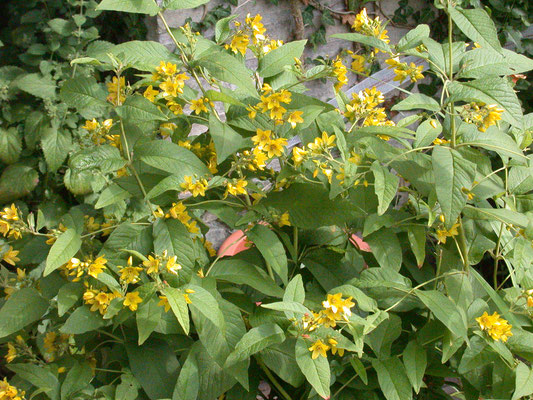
x: 132, y: 300
x: 497, y: 327
x: 295, y: 118
x: 163, y: 302
x: 116, y: 89
x: 129, y: 274
x: 10, y: 256
x: 172, y: 266
x: 274, y: 147
x: 199, y: 105
x: 150, y: 93
x: 152, y: 264
x: 319, y: 348
x: 262, y: 137
x: 334, y: 349
x: 239, y: 43
x: 444, y: 233
x: 235, y: 188
x: 197, y: 188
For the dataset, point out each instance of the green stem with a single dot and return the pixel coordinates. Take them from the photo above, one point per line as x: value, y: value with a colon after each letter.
x: 497, y: 258
x: 272, y: 379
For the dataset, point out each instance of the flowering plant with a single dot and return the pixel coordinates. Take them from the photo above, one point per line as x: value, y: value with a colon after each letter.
x: 122, y: 296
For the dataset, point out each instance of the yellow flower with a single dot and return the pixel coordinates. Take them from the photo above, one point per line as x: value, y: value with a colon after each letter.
x: 10, y: 256
x: 132, y: 300
x: 197, y: 188
x: 150, y: 93
x: 10, y: 213
x: 444, y: 233
x: 284, y: 220
x: 91, y: 125
x: 259, y: 159
x: 403, y: 71
x: 166, y: 68
x: 11, y: 352
x: 4, y: 227
x: 236, y: 188
x: 152, y: 265
x: 497, y: 327
x: 262, y: 137
x: 258, y: 30
x: 96, y: 267
x: 358, y: 63
x: 239, y: 43
x: 274, y: 147
x: 172, y: 266
x: 336, y: 308
x: 334, y: 349
x: 116, y: 90
x: 319, y: 349
x: 199, y: 105
x: 298, y: 155
x: 295, y: 118
x: 322, y: 143
x: 9, y: 392
x: 192, y: 227
x: 175, y: 107
x: 339, y: 71
x: 209, y: 247
x: 163, y: 302
x: 129, y: 274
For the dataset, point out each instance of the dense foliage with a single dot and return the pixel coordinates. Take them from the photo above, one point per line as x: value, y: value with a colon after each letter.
x: 112, y: 290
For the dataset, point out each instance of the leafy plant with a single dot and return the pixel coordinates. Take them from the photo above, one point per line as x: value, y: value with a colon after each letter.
x: 121, y: 295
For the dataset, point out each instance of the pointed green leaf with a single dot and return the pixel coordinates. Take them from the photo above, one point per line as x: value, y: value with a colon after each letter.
x: 392, y: 379
x: 316, y: 371
x: 133, y: 6
x: 275, y: 61
x: 255, y: 340
x: 477, y: 25
x: 178, y: 306
x: 444, y: 310
x: 64, y: 248
x: 415, y: 361
x: 226, y: 140
x: 385, y: 185
x: 21, y: 309
x: 271, y: 248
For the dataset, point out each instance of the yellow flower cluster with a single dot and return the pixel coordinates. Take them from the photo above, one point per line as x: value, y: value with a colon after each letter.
x: 129, y: 274
x: 55, y: 344
x: 179, y: 211
x: 370, y: 27
x: 481, y: 115
x: 236, y: 188
x: 206, y: 152
x: 271, y: 102
x: 404, y: 71
x: 117, y: 91
x: 272, y: 147
x: 253, y: 28
x: 11, y: 224
x: 359, y: 62
x: 336, y: 309
x: 319, y: 348
x: 497, y: 327
x: 318, y: 148
x: 339, y: 72
x: 14, y: 284
x: 200, y: 105
x: 364, y: 108
x: 78, y: 268
x: 100, y: 132
x: 10, y: 256
x: 9, y: 392
x: 15, y: 349
x: 197, y: 186
x: 170, y: 83
x: 443, y: 233
x: 99, y: 299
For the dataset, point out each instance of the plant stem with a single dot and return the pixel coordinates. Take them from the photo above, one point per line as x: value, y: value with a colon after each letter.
x: 497, y: 258
x: 273, y: 379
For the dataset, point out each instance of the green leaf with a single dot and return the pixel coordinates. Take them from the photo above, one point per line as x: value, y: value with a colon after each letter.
x: 386, y: 248
x: 493, y: 139
x: 139, y: 108
x: 21, y: 309
x: 56, y: 145
x: 493, y: 90
x: 417, y: 101
x: 111, y: 195
x: 385, y: 185
x: 294, y: 291
x: 271, y: 248
x: 222, y: 28
x: 455, y: 173
x: 417, y: 241
x: 133, y: 6
x: 366, y: 40
x: 82, y: 320
x: 392, y: 379
x: 17, y: 181
x: 359, y: 369
x: 178, y: 305
x: 479, y: 63
x: 477, y: 25
x: 204, y: 303
x: 499, y: 214
x: 316, y: 371
x: 444, y: 310
x: 10, y: 145
x: 67, y: 296
x: 147, y: 316
x: 170, y: 157
x: 287, y: 306
x: 64, y: 248
x: 39, y: 376
x: 226, y: 140
x: 128, y: 388
x: 426, y: 133
x: 242, y: 272
x: 415, y: 361
x: 227, y: 68
x: 524, y: 381
x: 310, y: 207
x: 254, y: 341
x: 275, y: 61
x: 37, y: 85
x: 182, y: 4
x: 188, y: 382
x: 155, y: 366
x: 77, y: 379
x: 86, y: 95
x: 383, y: 332
x: 413, y: 38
